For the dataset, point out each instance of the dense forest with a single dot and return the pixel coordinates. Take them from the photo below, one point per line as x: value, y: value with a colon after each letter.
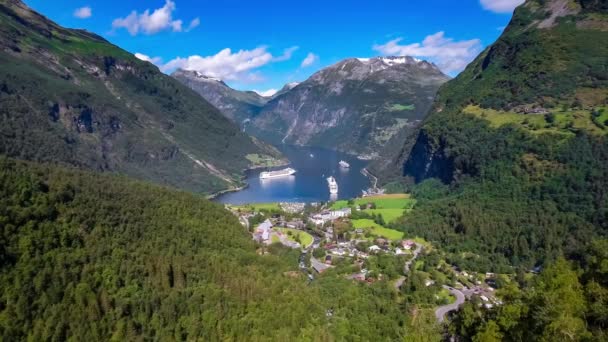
x: 92, y: 257
x: 564, y: 303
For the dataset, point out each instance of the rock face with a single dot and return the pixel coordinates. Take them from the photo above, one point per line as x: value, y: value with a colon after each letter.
x: 70, y: 96
x: 238, y: 106
x: 356, y: 105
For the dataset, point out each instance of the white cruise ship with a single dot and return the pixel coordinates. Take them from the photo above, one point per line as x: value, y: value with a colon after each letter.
x: 278, y: 173
x: 344, y: 164
x: 333, y: 186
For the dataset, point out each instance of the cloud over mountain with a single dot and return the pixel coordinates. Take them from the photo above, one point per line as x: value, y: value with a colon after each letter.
x: 501, y: 6
x: 228, y: 65
x: 450, y: 56
x: 310, y: 59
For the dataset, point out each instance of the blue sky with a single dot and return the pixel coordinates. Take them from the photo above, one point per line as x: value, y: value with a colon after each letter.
x: 263, y: 45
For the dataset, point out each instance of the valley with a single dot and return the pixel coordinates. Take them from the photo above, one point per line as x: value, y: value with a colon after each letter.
x: 453, y: 186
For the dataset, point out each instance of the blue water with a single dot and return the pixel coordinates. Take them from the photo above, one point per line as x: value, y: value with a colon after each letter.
x: 309, y: 183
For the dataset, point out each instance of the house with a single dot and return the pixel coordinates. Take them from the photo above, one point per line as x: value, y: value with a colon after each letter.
x: 374, y: 248
x: 408, y: 244
x: 262, y: 231
x: 398, y: 251
x: 381, y: 241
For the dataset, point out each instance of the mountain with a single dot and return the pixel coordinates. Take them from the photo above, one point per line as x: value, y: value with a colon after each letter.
x: 236, y: 105
x: 512, y: 162
x: 356, y: 105
x: 71, y: 96
x: 285, y: 89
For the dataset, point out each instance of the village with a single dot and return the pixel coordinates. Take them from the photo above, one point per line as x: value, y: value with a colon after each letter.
x: 354, y: 239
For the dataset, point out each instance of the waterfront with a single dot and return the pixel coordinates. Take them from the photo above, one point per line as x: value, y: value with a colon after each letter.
x: 309, y: 184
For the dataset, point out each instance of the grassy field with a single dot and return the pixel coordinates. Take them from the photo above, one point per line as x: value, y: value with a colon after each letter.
x: 564, y: 121
x: 305, y: 238
x: 256, y: 207
x: 389, y: 215
x: 389, y: 201
x: 391, y: 206
x: 377, y: 229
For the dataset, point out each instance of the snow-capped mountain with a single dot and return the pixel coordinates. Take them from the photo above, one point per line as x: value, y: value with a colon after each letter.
x: 355, y: 105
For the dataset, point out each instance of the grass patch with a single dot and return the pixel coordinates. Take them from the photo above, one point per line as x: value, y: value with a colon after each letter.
x: 377, y: 230
x: 256, y: 207
x: 305, y: 238
x: 389, y: 201
x: 444, y: 296
x: 259, y: 160
x: 389, y: 215
x: 399, y: 107
x: 564, y: 122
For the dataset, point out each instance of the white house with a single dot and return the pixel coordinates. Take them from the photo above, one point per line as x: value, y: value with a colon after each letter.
x: 374, y: 248
x: 262, y: 231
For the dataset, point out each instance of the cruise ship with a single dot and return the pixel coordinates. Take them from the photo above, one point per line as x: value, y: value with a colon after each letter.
x: 344, y: 164
x: 278, y: 173
x: 333, y: 186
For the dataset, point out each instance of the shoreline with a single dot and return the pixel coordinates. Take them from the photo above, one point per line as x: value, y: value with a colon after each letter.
x: 368, y: 174
x: 217, y: 194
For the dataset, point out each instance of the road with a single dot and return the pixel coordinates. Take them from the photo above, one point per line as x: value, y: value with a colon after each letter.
x: 443, y: 310
x: 318, y: 265
x: 407, y: 265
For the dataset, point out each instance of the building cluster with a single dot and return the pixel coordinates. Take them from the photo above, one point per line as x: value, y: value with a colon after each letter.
x: 330, y: 215
x: 292, y: 208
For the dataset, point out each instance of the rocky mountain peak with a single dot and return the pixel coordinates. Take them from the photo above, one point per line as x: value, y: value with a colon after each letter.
x: 196, y: 75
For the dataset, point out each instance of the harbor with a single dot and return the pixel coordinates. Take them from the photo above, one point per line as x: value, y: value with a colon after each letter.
x: 305, y: 179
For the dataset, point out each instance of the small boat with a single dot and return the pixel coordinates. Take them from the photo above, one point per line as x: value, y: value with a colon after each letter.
x: 279, y: 173
x: 344, y: 164
x: 333, y: 186
x: 312, y: 155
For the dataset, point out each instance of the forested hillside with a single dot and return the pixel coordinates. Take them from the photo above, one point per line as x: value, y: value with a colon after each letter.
x: 96, y: 257
x: 70, y: 96
x: 518, y: 143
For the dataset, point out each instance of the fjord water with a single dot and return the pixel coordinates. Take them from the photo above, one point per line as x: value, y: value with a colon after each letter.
x: 309, y: 183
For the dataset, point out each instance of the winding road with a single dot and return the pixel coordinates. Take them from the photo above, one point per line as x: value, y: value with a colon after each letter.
x: 407, y: 265
x: 443, y: 310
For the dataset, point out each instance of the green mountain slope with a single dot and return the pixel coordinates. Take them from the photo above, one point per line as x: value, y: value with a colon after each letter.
x: 521, y: 138
x: 92, y: 257
x: 70, y: 96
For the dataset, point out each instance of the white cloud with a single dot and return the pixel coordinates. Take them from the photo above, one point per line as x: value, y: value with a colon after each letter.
x: 225, y: 65
x: 193, y: 24
x: 501, y: 6
x: 287, y: 53
x: 153, y: 60
x: 160, y: 19
x: 449, y: 55
x: 266, y: 93
x: 310, y: 59
x: 83, y: 12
